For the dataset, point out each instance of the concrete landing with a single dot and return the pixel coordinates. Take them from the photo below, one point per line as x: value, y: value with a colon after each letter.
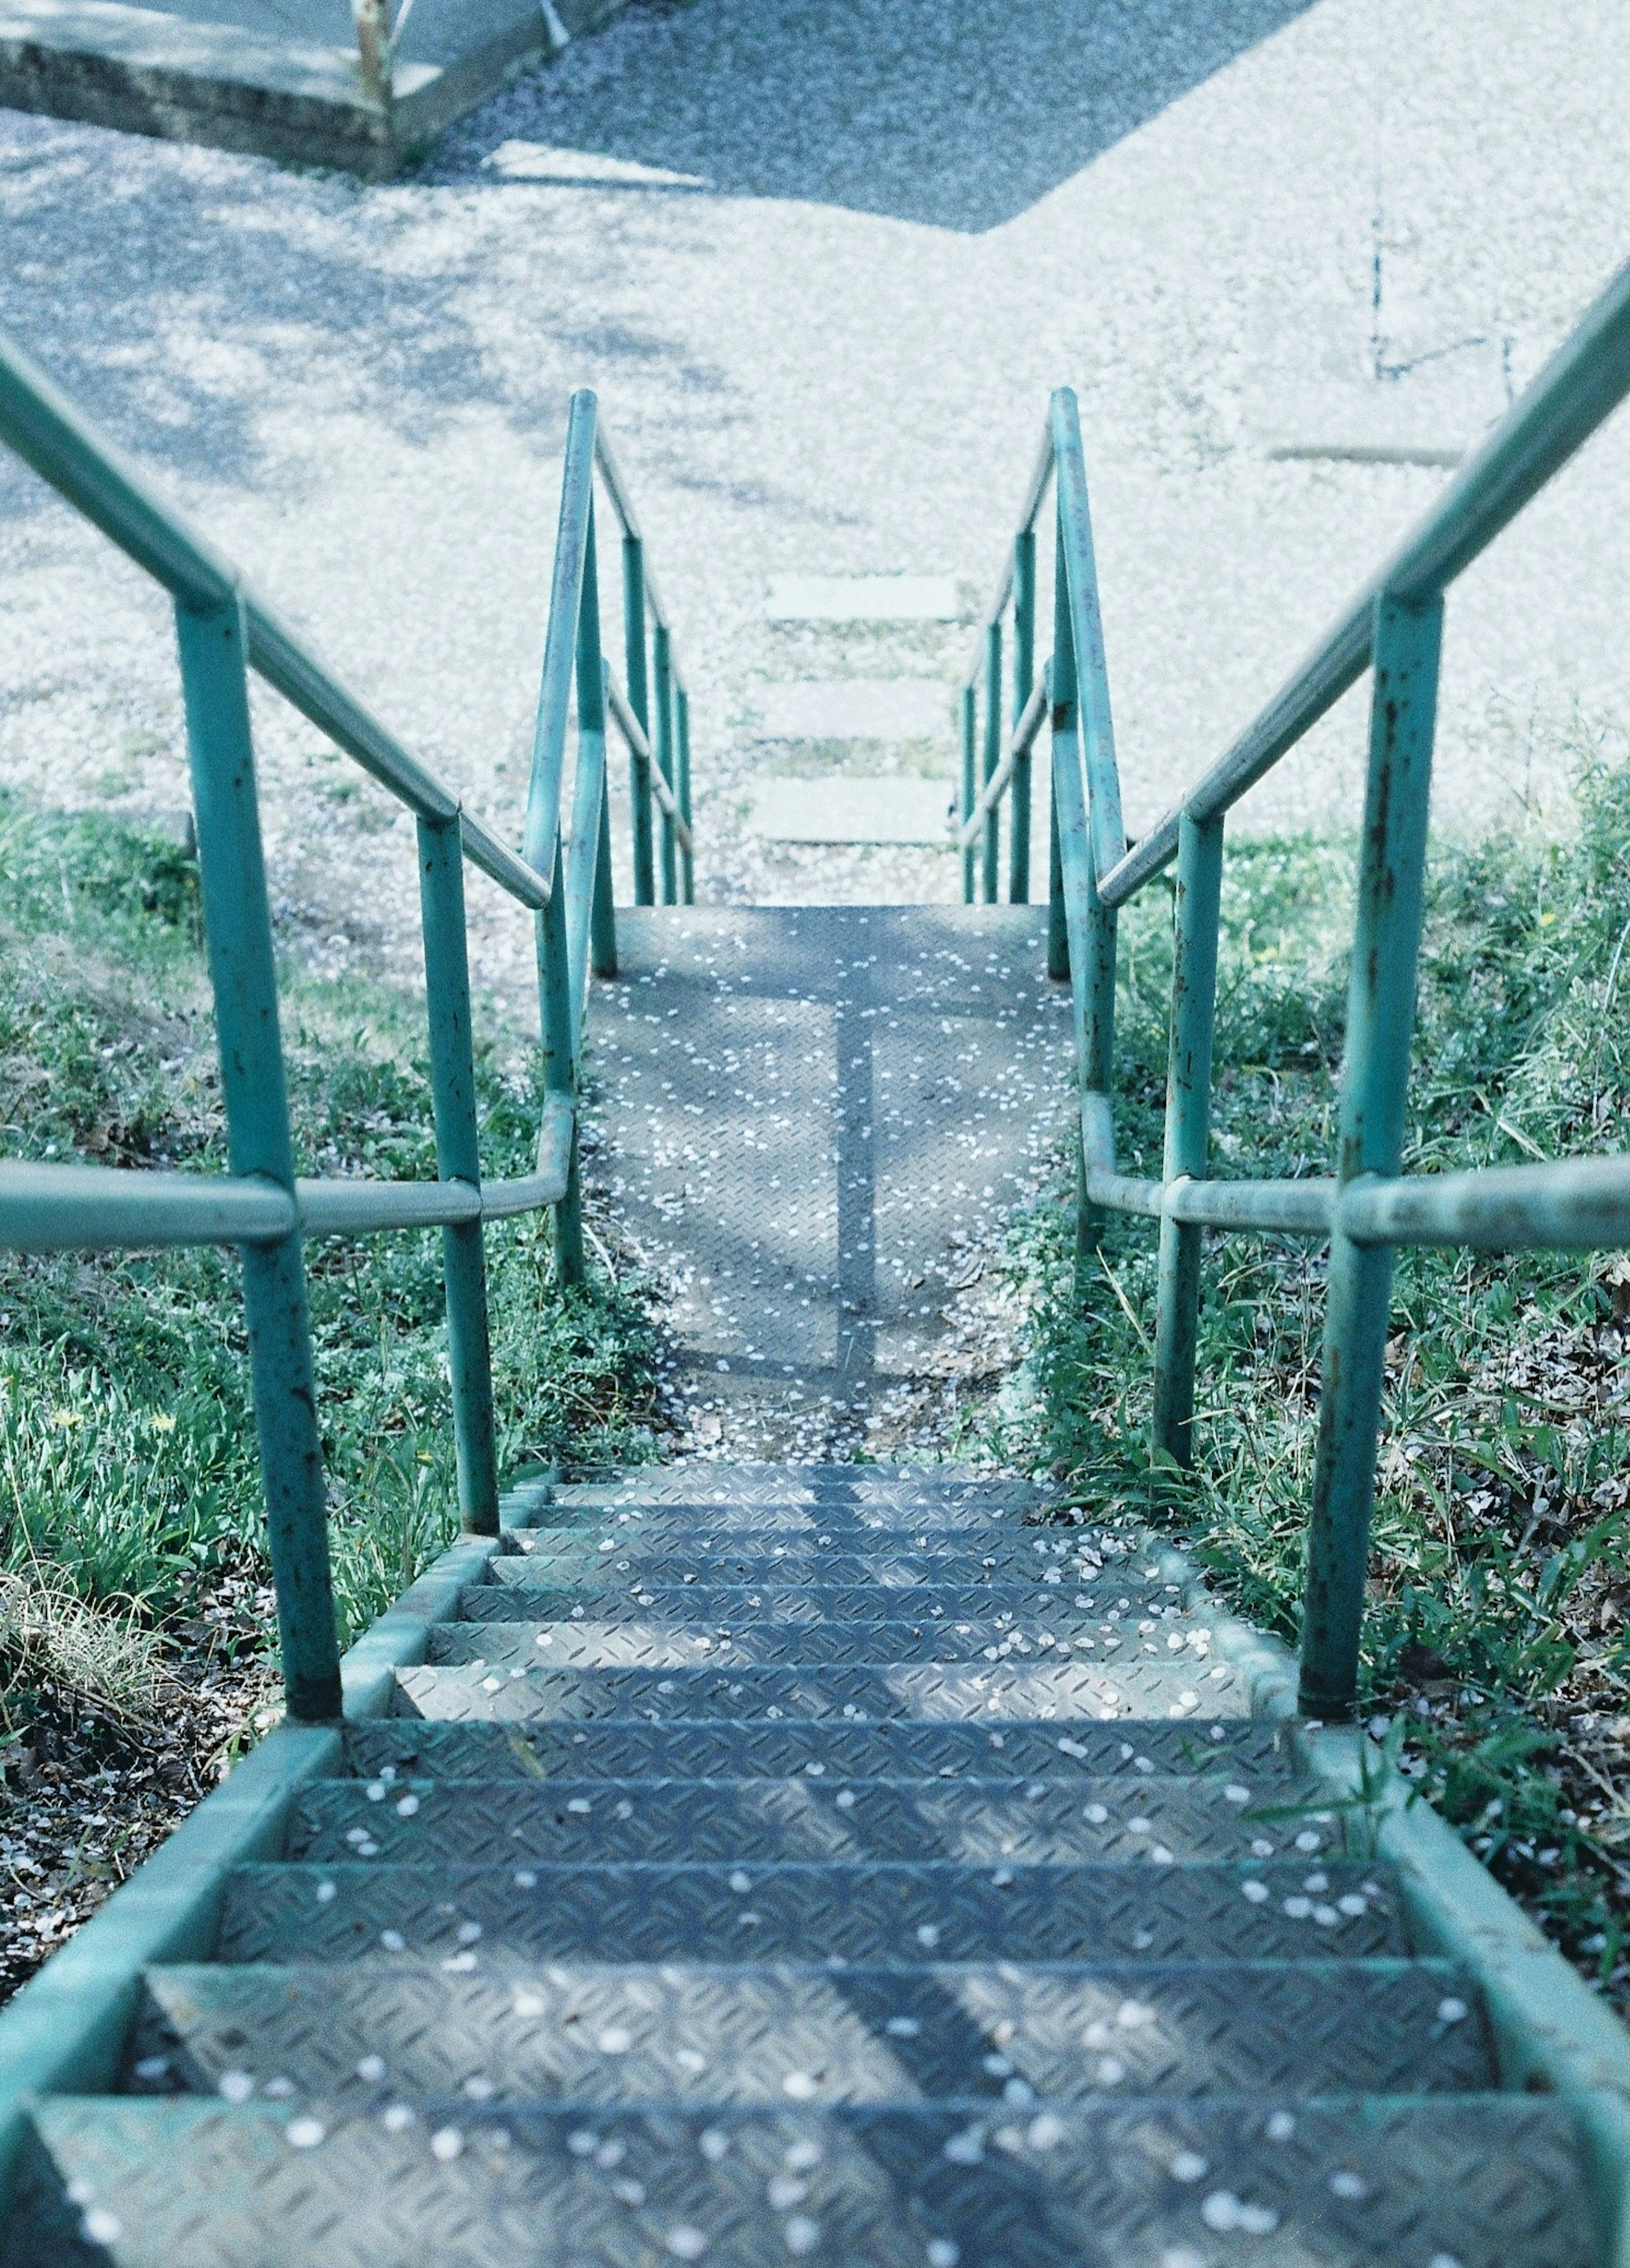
x: 811, y: 1118
x: 280, y: 78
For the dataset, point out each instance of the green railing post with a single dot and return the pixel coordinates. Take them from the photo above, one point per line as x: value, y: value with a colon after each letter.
x: 243, y: 974
x: 1188, y: 1126
x: 682, y: 788
x: 990, y: 864
x: 1094, y: 945
x: 1058, y: 920
x: 639, y: 701
x: 1375, y: 1084
x: 1023, y: 681
x: 664, y: 746
x: 602, y: 947
x: 458, y: 1158
x: 969, y: 791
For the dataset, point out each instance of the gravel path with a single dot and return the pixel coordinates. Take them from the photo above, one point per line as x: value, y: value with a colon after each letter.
x: 834, y: 357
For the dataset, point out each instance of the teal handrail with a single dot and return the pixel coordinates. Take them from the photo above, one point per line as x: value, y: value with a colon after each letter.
x: 224, y: 630
x: 1367, y: 1206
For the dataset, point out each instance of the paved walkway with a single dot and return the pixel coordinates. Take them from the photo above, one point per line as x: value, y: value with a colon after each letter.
x: 823, y: 259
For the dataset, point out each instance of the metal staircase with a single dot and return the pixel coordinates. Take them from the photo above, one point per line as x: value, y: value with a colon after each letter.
x: 689, y: 1903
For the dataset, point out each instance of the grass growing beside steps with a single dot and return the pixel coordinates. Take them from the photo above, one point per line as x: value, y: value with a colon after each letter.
x: 1500, y: 1574
x: 135, y: 1617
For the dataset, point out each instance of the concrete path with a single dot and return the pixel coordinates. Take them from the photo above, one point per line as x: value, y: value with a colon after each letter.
x: 823, y: 259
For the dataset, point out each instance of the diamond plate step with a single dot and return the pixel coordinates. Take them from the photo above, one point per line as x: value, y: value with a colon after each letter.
x: 486, y: 1822
x: 1486, y: 2181
x: 753, y: 1516
x: 695, y: 1483
x: 758, y: 1559
x: 775, y: 2033
x: 993, y: 1691
x: 483, y: 1918
x: 639, y: 1750
x: 651, y: 1645
x: 513, y: 1593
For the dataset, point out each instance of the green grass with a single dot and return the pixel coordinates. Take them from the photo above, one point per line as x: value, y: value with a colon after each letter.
x: 1501, y: 1564
x: 126, y: 1460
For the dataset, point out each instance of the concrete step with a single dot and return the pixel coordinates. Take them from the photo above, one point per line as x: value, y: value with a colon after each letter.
x: 1486, y: 2181
x: 493, y: 1917
x: 634, y: 1749
x: 1141, y: 1821
x: 777, y: 2032
x: 512, y: 1692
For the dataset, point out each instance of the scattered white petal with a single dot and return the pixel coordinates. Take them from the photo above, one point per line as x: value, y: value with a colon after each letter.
x: 1280, y: 2127
x: 100, y: 2226
x: 398, y: 2118
x: 446, y: 2144
x: 943, y: 2253
x: 304, y: 2133
x: 371, y: 2067
x: 686, y: 2242
x: 392, y: 1940
x: 616, y: 2039
x: 800, y: 2086
x: 1451, y: 2011
x: 234, y: 2085
x: 1187, y: 2166
x: 1344, y: 2185
x: 803, y: 2234
x: 1255, y: 1890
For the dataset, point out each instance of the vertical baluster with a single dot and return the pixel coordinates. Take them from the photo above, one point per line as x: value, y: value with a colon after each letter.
x: 664, y: 705
x: 603, y: 921
x: 639, y: 771
x: 243, y: 973
x: 458, y: 1158
x: 681, y: 787
x: 1188, y: 1125
x: 1374, y: 1084
x: 554, y: 982
x: 990, y: 839
x: 969, y: 742
x: 1091, y: 926
x: 1058, y: 920
x: 1023, y: 681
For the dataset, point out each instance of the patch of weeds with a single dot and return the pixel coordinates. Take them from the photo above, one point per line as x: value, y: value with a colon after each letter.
x: 127, y: 1455
x: 1495, y: 1654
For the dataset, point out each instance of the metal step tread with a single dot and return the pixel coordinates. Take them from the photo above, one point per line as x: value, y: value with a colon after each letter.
x: 1487, y: 2180
x: 838, y: 1485
x: 723, y: 1749
x: 851, y: 1910
x: 1146, y: 1821
x: 752, y: 1557
x: 970, y: 1517
x: 872, y: 1691
x: 559, y: 1641
x: 512, y: 1586
x: 777, y: 2032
